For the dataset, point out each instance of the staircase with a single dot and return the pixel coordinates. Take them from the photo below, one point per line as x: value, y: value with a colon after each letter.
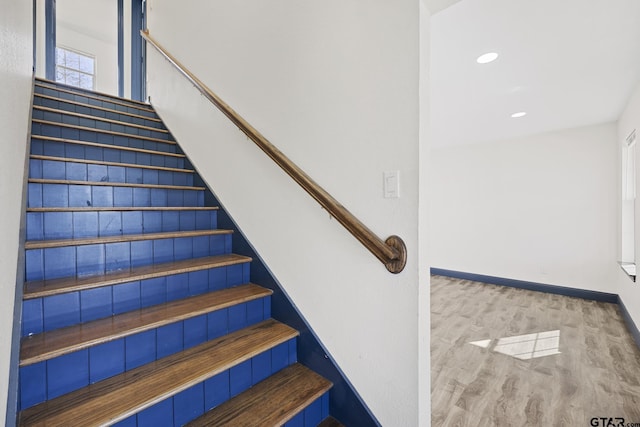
x: 135, y: 311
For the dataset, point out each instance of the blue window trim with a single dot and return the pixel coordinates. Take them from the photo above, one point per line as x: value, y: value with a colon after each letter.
x: 138, y: 71
x: 50, y: 39
x: 121, y: 48
x: 34, y: 23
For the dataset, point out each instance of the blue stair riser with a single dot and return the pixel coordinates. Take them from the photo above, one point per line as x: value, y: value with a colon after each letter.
x: 88, y: 260
x: 46, y: 380
x: 69, y: 170
x: 100, y: 137
x: 103, y: 102
x: 62, y: 195
x: 97, y: 124
x: 96, y: 112
x: 58, y: 311
x: 312, y: 414
x: 79, y: 151
x: 196, y: 400
x: 47, y: 225
x: 60, y: 375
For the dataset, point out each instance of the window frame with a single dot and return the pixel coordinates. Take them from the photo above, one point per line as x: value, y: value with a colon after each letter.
x: 627, y: 206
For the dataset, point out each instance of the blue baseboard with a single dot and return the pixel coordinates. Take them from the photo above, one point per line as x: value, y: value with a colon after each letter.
x: 531, y: 286
x: 552, y: 289
x: 633, y: 328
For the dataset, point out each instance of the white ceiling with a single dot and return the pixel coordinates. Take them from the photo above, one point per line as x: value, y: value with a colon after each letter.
x: 567, y: 63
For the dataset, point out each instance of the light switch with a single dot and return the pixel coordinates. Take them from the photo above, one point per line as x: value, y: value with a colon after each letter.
x: 391, y: 184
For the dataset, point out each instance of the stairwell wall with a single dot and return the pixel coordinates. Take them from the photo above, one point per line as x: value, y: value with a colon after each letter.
x: 16, y: 62
x: 334, y: 85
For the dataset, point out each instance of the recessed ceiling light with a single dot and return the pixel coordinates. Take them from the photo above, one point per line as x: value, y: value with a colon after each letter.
x: 486, y: 58
x: 520, y: 114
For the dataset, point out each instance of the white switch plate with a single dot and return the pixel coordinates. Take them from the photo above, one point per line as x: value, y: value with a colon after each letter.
x: 391, y: 184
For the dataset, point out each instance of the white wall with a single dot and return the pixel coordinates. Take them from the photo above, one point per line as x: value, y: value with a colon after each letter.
x: 628, y: 290
x: 335, y: 86
x: 541, y: 209
x: 15, y: 90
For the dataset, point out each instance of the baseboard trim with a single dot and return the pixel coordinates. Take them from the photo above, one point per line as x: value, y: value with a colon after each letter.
x: 541, y: 287
x: 633, y: 328
x: 531, y: 286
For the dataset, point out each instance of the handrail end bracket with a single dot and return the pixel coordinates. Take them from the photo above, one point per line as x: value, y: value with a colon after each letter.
x: 396, y: 265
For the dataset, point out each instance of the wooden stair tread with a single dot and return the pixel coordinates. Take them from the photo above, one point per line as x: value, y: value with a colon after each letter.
x: 39, y: 347
x: 105, y: 163
x: 118, y: 397
x: 124, y: 208
x: 113, y: 184
x: 330, y: 422
x: 100, y: 119
x: 43, y: 288
x: 40, y: 82
x: 96, y: 107
x: 109, y: 146
x: 271, y: 402
x: 42, y: 244
x: 110, y: 132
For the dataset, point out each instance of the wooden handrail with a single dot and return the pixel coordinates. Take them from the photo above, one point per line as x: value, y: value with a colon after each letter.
x: 392, y: 252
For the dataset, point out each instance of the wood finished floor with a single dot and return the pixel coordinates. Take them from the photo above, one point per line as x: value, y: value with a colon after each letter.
x: 592, y: 370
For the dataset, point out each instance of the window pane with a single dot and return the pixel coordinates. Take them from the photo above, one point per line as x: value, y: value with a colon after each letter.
x: 66, y: 72
x: 86, y: 64
x: 73, y: 78
x: 59, y: 75
x: 86, y: 81
x: 72, y: 60
x: 59, y: 56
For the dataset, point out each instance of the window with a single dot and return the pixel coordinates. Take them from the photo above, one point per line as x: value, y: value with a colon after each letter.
x: 75, y: 69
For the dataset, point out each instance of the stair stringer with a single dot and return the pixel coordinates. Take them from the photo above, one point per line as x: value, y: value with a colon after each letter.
x: 345, y: 402
x: 14, y: 369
